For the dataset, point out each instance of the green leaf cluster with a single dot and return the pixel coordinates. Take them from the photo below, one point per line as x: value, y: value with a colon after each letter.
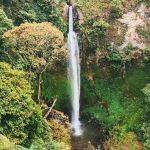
x: 18, y: 112
x: 55, y: 84
x: 35, y: 11
x: 116, y: 8
x: 33, y: 46
x: 113, y: 102
x: 5, y: 23
x: 146, y: 126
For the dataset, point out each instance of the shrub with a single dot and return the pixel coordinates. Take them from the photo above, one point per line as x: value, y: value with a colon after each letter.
x: 146, y: 135
x: 40, y: 144
x: 146, y: 91
x: 146, y: 125
x: 116, y: 9
x: 60, y: 134
x: 127, y: 141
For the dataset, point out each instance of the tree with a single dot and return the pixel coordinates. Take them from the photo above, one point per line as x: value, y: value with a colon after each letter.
x: 5, y: 23
x: 19, y: 114
x: 22, y: 11
x: 34, y: 47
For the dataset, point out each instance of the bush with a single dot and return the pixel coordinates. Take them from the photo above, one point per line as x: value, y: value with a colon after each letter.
x: 127, y: 141
x: 94, y: 32
x: 5, y: 143
x: 116, y: 9
x: 146, y: 135
x: 146, y: 125
x: 40, y: 144
x: 60, y: 134
x: 146, y: 91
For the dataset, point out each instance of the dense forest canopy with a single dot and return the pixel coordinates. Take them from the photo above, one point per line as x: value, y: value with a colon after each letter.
x: 114, y: 37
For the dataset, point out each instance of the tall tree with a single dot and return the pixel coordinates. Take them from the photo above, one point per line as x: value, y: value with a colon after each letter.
x: 34, y: 47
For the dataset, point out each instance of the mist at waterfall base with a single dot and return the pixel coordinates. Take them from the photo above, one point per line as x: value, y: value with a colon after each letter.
x: 74, y: 75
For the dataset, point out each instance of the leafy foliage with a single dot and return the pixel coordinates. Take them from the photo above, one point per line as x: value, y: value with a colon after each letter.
x: 93, y: 9
x: 37, y: 47
x: 146, y: 134
x: 55, y: 84
x: 146, y: 54
x: 94, y: 35
x: 146, y: 125
x: 35, y: 11
x: 117, y: 104
x: 18, y: 114
x: 146, y: 92
x: 45, y: 139
x: 5, y: 23
x: 34, y: 46
x: 126, y: 140
x: 40, y: 144
x: 60, y: 134
x: 4, y: 142
x: 112, y: 101
x: 116, y: 8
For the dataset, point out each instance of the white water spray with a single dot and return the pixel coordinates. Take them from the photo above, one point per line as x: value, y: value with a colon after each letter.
x: 74, y: 74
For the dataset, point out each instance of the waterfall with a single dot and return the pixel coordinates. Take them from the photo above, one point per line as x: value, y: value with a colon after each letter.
x: 74, y: 75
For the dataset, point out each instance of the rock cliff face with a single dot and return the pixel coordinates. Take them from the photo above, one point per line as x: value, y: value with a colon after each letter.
x: 133, y: 19
x: 108, y: 37
x: 123, y: 30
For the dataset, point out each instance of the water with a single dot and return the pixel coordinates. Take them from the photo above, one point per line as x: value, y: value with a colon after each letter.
x: 74, y: 75
x: 93, y: 134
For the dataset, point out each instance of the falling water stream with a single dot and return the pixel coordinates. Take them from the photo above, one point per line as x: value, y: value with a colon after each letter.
x: 74, y: 75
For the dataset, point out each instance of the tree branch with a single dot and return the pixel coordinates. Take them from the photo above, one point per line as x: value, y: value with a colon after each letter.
x: 50, y: 109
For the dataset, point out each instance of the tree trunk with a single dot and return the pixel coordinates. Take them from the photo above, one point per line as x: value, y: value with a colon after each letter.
x: 39, y: 88
x: 39, y: 84
x: 123, y: 69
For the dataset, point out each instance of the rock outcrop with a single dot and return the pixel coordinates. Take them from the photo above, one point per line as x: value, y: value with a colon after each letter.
x: 134, y: 19
x: 60, y: 118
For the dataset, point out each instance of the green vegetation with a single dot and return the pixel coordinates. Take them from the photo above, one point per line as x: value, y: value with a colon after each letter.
x: 118, y: 105
x: 112, y: 105
x: 19, y: 113
x: 5, y: 23
x: 54, y: 84
x: 146, y: 125
x: 33, y: 62
x: 35, y: 11
x: 33, y: 48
